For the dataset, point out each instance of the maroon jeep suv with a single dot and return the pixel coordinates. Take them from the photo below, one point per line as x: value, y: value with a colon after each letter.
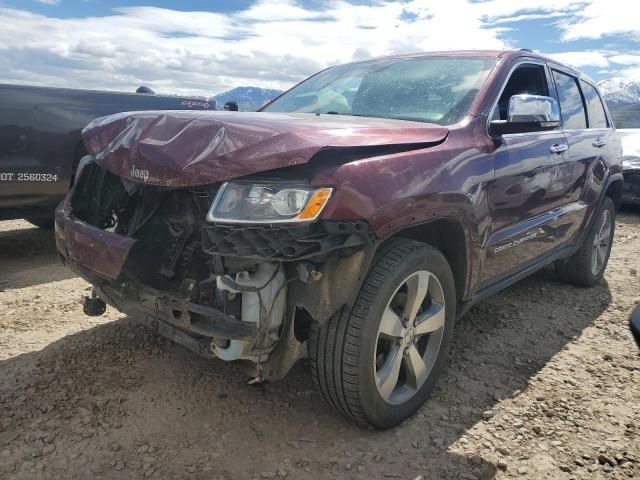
x: 352, y: 219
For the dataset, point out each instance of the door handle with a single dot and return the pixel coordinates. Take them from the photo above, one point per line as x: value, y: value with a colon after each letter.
x: 599, y: 143
x: 559, y: 148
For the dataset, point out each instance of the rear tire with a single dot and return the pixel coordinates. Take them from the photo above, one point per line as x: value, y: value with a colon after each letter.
x: 378, y: 364
x: 587, y: 266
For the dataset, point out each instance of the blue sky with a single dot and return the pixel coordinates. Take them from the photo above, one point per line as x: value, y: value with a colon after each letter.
x: 207, y: 46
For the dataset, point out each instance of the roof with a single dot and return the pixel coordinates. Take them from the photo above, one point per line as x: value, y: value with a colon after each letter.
x: 507, y: 54
x: 502, y: 54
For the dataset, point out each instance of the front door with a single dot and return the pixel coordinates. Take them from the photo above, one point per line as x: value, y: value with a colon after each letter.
x: 518, y: 196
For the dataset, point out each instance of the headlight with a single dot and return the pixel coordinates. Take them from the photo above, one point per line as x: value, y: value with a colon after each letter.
x: 239, y: 202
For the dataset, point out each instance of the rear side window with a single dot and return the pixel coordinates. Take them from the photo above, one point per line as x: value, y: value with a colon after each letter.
x: 597, y: 117
x: 571, y: 105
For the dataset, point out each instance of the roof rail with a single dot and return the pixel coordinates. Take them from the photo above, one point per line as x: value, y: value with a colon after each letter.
x: 526, y: 50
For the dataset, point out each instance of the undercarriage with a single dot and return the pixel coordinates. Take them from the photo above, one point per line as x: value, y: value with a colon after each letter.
x: 245, y: 293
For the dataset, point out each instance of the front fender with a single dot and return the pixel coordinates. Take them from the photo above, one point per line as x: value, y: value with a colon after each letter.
x: 415, y: 210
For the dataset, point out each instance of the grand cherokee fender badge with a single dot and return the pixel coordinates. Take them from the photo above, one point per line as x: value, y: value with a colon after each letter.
x: 139, y: 173
x: 515, y: 243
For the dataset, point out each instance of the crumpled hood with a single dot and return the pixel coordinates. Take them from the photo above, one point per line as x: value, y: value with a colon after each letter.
x: 179, y: 148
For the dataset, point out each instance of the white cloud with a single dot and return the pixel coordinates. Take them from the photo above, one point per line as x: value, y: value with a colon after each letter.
x: 630, y: 63
x: 631, y: 73
x: 528, y: 17
x: 581, y: 59
x: 268, y: 11
x: 271, y: 43
x: 600, y: 18
x: 611, y: 63
x: 496, y: 9
x: 626, y: 59
x: 579, y: 19
x: 49, y: 2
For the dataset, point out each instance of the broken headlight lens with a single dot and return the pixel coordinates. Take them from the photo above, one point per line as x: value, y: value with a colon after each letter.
x: 239, y: 202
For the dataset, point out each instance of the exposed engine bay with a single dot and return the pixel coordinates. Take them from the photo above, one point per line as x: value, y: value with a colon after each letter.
x: 235, y: 293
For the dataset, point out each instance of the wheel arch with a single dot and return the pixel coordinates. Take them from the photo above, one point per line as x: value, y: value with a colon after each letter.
x: 613, y: 189
x: 449, y: 236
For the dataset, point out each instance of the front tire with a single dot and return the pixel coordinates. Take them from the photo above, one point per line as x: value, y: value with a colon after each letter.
x: 378, y: 364
x: 587, y: 266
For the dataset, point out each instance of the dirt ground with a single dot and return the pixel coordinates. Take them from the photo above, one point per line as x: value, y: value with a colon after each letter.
x: 543, y: 382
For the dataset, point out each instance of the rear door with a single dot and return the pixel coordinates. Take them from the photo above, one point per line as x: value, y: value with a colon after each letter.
x: 577, y: 178
x: 604, y: 138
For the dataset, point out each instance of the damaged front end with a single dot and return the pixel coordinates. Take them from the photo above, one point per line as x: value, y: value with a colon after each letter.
x: 235, y: 292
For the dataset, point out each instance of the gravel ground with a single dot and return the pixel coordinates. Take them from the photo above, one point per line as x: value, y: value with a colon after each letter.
x: 543, y: 382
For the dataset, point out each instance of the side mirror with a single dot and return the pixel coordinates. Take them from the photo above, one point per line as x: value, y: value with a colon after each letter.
x: 528, y: 113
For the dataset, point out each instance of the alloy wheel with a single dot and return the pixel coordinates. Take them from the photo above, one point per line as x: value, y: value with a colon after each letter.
x: 409, y: 337
x: 601, y: 242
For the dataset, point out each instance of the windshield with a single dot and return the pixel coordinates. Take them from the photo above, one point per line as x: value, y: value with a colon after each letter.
x: 427, y: 89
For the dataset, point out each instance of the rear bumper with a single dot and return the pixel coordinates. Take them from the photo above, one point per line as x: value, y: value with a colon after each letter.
x: 99, y: 256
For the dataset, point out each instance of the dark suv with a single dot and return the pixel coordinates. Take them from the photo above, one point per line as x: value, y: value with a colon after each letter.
x: 352, y: 220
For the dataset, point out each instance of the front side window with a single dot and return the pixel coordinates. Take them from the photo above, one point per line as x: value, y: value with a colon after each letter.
x: 427, y: 89
x: 597, y: 117
x: 571, y: 105
x: 526, y: 79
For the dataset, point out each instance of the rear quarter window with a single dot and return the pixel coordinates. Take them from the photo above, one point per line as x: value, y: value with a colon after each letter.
x: 571, y: 105
x: 597, y: 117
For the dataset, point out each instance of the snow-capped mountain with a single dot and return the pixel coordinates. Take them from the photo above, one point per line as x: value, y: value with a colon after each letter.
x: 623, y: 98
x: 620, y: 90
x: 249, y: 98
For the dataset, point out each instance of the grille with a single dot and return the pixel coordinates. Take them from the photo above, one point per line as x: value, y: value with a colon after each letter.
x: 167, y: 224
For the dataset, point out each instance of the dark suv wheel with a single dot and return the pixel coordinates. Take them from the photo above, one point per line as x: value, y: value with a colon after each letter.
x: 379, y: 364
x: 586, y: 267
